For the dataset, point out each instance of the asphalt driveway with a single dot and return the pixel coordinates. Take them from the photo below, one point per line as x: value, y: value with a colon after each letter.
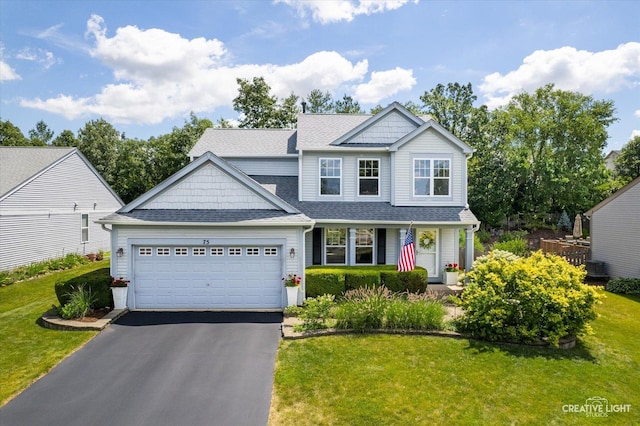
x: 153, y: 368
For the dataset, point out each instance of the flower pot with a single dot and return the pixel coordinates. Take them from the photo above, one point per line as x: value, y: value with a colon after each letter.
x: 451, y: 278
x: 119, y: 297
x: 292, y: 296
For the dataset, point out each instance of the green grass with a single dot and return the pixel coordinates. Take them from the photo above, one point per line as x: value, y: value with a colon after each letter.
x: 402, y: 380
x: 28, y: 351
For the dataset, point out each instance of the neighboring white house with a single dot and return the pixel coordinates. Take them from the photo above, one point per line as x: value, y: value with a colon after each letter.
x: 615, y: 232
x: 610, y: 158
x: 258, y: 204
x: 49, y: 199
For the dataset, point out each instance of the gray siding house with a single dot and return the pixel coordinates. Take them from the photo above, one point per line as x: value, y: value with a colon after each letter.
x: 257, y: 204
x: 615, y: 232
x: 49, y: 199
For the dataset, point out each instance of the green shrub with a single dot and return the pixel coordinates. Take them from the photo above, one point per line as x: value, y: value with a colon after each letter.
x: 315, y: 312
x: 80, y: 303
x: 483, y: 236
x: 97, y: 282
x: 526, y: 299
x: 358, y: 279
x: 319, y: 282
x: 413, y: 281
x: 512, y: 235
x: 517, y: 246
x: 624, y: 286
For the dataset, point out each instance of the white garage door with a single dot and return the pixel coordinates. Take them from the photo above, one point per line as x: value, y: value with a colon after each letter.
x: 224, y: 277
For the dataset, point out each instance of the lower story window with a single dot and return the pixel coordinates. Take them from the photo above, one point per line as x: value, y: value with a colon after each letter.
x: 84, y: 228
x: 335, y: 245
x: 364, y: 246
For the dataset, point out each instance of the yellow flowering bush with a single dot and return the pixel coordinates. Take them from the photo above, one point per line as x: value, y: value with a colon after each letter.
x: 526, y: 299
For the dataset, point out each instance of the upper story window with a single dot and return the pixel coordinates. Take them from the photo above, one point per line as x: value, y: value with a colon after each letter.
x: 84, y: 228
x: 330, y: 176
x: 431, y: 177
x: 368, y: 177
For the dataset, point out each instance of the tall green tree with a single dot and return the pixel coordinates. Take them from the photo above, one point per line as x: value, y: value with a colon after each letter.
x: 347, y: 105
x: 319, y: 102
x: 627, y: 164
x: 451, y: 106
x: 41, y: 134
x: 557, y: 138
x: 11, y: 135
x: 256, y: 105
x: 132, y: 176
x: 287, y: 112
x: 98, y: 141
x: 65, y: 138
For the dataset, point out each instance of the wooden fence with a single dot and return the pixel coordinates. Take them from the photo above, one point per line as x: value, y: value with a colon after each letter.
x: 577, y: 252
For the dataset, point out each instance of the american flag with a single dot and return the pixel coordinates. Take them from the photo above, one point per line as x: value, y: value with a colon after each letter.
x: 407, y: 258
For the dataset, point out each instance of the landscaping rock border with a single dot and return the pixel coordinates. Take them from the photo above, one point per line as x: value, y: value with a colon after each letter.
x: 51, y: 320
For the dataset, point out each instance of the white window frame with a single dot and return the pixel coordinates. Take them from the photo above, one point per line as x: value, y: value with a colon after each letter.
x: 163, y: 251
x: 326, y: 245
x: 252, y: 251
x: 145, y: 251
x: 431, y: 162
x: 320, y: 176
x: 234, y: 251
x: 217, y: 251
x: 372, y: 246
x: 181, y: 251
x: 199, y: 251
x: 271, y: 251
x: 377, y: 178
x: 84, y: 228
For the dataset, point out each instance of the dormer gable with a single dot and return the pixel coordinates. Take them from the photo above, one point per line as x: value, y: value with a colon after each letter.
x: 382, y: 129
x: 432, y: 124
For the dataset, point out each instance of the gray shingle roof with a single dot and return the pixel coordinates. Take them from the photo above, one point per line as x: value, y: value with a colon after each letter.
x: 317, y: 131
x: 17, y: 164
x: 244, y: 217
x: 246, y: 143
x: 287, y: 189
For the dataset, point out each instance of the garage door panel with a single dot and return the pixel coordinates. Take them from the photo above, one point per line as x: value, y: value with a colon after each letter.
x: 215, y: 280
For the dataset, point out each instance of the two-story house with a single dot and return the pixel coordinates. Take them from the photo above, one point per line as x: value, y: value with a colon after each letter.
x: 257, y: 204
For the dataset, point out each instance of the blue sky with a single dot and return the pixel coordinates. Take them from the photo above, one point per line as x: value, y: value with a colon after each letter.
x: 144, y: 65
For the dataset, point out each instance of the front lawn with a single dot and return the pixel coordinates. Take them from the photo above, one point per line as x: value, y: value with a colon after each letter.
x: 28, y: 351
x: 384, y: 379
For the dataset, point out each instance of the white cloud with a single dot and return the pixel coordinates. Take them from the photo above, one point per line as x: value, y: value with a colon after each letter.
x: 329, y: 11
x: 637, y: 113
x: 569, y: 69
x: 6, y: 72
x: 635, y: 133
x: 384, y: 84
x: 41, y: 56
x: 160, y: 75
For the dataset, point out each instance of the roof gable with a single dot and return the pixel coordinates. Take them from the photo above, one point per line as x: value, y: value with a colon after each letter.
x: 614, y: 196
x: 208, y: 183
x: 432, y: 124
x: 384, y: 128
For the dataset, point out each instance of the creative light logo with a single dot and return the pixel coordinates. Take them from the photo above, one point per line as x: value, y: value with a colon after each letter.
x: 596, y: 406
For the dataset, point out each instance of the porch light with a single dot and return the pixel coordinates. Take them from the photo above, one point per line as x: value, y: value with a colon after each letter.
x: 292, y: 253
x: 120, y: 252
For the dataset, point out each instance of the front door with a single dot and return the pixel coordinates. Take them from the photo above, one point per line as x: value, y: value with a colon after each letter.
x: 427, y: 248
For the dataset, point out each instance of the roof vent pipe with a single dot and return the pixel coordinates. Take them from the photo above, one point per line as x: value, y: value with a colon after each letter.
x: 304, y: 107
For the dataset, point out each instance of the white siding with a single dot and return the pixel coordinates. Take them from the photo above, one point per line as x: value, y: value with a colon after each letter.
x: 311, y: 176
x: 33, y: 238
x: 428, y: 144
x: 449, y: 246
x: 208, y: 188
x: 266, y: 166
x: 386, y: 131
x: 42, y: 219
x: 615, y: 234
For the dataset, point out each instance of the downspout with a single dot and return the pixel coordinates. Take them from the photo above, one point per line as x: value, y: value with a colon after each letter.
x: 304, y: 257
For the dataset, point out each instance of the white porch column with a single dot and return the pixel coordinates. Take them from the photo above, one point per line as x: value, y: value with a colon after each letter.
x: 352, y: 246
x: 468, y: 259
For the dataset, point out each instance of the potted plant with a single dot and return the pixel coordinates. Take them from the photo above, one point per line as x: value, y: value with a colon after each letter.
x: 292, y: 282
x: 119, y: 291
x: 451, y: 271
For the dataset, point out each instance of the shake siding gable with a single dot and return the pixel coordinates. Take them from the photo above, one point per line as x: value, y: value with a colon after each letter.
x: 208, y: 188
x: 385, y: 131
